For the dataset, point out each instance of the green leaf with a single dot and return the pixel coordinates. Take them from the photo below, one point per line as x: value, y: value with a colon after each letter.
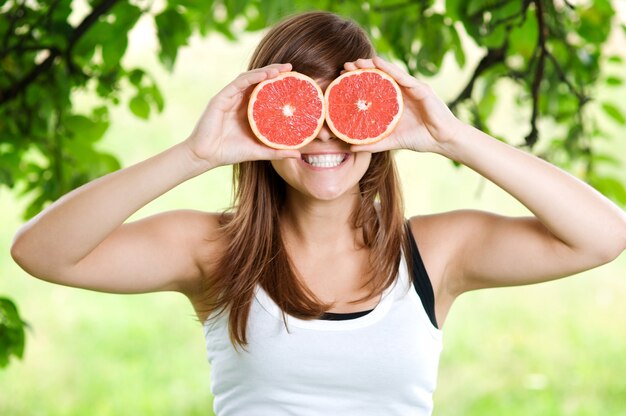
x: 613, y: 80
x: 488, y: 102
x: 457, y: 46
x: 475, y: 5
x: 173, y: 30
x: 139, y: 107
x: 235, y: 7
x: 135, y: 76
x: 9, y: 165
x: 609, y: 186
x: 595, y: 21
x: 606, y: 159
x: 436, y: 39
x: 155, y: 94
x: 126, y: 16
x: 12, y: 334
x: 113, y: 50
x: 612, y: 111
x: 616, y: 59
x: 224, y: 29
x: 523, y: 39
x: 495, y: 38
x: 456, y: 8
x: 83, y: 128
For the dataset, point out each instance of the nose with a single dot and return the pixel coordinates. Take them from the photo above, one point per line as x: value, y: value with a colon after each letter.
x: 325, y: 133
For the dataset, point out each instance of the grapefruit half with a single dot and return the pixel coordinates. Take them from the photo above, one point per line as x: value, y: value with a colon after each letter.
x: 363, y: 106
x: 286, y: 112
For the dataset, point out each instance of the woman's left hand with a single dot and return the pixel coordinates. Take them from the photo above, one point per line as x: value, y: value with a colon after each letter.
x: 426, y: 123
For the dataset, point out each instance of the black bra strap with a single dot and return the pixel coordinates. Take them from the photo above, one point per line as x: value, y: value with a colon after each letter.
x: 338, y: 316
x: 421, y: 281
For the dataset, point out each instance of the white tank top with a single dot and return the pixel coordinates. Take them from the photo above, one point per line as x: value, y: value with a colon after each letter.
x: 382, y: 363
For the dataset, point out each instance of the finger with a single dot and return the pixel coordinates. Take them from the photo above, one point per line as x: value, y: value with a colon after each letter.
x: 380, y: 146
x: 364, y: 63
x: 280, y: 67
x: 399, y: 74
x: 253, y: 77
x: 278, y: 154
x: 349, y: 66
x: 416, y: 88
x: 359, y: 64
x: 419, y: 89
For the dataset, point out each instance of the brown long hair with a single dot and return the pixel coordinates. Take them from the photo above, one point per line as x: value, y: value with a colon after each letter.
x: 316, y: 44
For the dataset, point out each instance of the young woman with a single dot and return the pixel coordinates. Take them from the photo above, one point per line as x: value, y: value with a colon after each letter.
x: 314, y: 296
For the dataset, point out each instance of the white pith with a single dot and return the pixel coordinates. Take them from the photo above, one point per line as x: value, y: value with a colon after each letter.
x: 324, y: 161
x: 288, y: 110
x: 362, y: 105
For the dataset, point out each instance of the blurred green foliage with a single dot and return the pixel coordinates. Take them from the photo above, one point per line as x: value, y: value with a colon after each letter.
x: 11, y: 332
x: 552, y: 51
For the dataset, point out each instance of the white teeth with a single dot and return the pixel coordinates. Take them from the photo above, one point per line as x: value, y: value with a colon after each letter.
x: 324, y: 161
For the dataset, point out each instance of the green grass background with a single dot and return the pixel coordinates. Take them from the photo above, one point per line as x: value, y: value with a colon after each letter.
x: 550, y: 349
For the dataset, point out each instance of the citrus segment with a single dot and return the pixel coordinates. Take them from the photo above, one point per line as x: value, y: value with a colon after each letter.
x: 363, y: 106
x: 286, y: 112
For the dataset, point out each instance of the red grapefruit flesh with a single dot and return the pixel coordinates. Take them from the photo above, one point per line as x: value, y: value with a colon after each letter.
x: 363, y: 106
x: 286, y: 112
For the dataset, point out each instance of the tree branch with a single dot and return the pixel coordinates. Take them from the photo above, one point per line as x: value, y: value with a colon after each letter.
x: 582, y: 98
x: 19, y: 12
x: 488, y: 8
x: 533, y: 136
x: 492, y: 58
x: 19, y: 45
x: 521, y: 14
x: 15, y: 89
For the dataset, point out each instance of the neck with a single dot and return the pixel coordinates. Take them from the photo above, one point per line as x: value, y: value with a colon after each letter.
x: 320, y: 225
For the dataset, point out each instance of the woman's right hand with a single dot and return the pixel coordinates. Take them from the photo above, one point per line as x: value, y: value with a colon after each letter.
x: 223, y: 136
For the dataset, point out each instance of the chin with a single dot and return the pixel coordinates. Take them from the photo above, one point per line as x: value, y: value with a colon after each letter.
x: 318, y: 184
x: 327, y: 194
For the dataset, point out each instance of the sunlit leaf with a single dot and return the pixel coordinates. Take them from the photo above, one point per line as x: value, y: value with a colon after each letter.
x: 12, y: 336
x: 612, y: 111
x: 139, y: 107
x: 173, y: 31
x: 611, y: 187
x: 613, y: 80
x: 523, y: 39
x: 459, y: 54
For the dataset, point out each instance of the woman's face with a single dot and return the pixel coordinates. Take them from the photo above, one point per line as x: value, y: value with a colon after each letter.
x: 327, y: 168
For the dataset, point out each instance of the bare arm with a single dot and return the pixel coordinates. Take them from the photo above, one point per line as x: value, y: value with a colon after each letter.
x: 574, y: 228
x: 81, y: 239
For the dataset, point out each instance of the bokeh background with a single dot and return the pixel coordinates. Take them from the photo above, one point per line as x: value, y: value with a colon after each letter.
x: 550, y: 349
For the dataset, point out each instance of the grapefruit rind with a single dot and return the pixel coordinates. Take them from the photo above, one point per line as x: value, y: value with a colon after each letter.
x: 329, y: 109
x: 253, y: 100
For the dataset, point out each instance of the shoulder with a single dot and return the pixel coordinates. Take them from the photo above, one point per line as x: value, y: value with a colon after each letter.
x: 447, y: 229
x: 196, y: 233
x: 452, y: 227
x: 442, y: 239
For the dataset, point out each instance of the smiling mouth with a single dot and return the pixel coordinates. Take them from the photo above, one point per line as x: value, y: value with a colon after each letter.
x: 325, y: 160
